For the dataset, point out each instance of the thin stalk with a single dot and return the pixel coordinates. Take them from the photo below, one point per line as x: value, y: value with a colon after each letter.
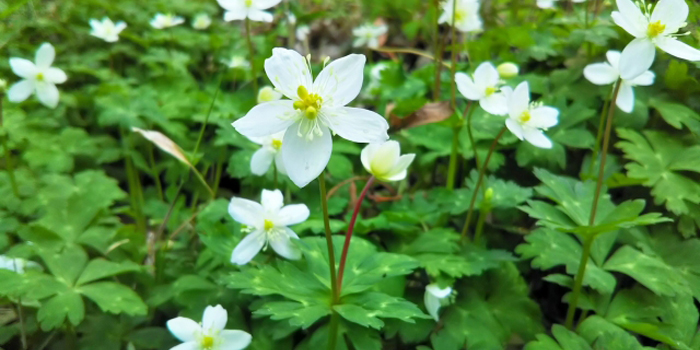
x: 291, y: 39
x: 252, y: 54
x: 469, y: 111
x: 482, y: 171
x: 274, y: 172
x: 154, y: 171
x: 134, y: 185
x: 599, y: 134
x: 204, y: 182
x: 453, y: 52
x: 9, y: 166
x: 206, y: 118
x: 452, y: 167
x: 438, y: 52
x: 333, y: 330
x: 411, y: 51
x: 351, y: 228
x: 588, y: 241
x: 483, y: 213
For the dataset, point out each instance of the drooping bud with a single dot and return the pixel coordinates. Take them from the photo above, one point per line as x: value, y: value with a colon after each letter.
x: 508, y: 70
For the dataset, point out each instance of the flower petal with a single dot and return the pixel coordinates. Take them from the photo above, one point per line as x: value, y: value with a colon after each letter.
x: 432, y: 305
x: 55, y: 76
x: 292, y: 214
x: 486, y: 75
x: 287, y: 70
x: 678, y: 48
x: 214, y: 318
x: 671, y: 13
x: 272, y: 201
x: 184, y: 328
x: 232, y: 5
x: 235, y: 339
x: 613, y: 57
x: 384, y: 159
x: 467, y: 87
x: 23, y: 68
x: 630, y: 18
x: 495, y: 104
x: 261, y: 161
x: 305, y: 159
x: 20, y: 91
x: 600, y: 73
x: 248, y: 247
x: 438, y: 292
x: 235, y: 15
x: 341, y: 81
x: 399, y: 171
x: 367, y: 154
x: 636, y: 58
x: 544, y: 117
x: 266, y: 119
x: 260, y: 16
x: 537, y: 138
x: 190, y: 345
x: 515, y: 128
x: 47, y: 94
x: 519, y: 100
x: 625, y: 98
x: 280, y: 163
x: 282, y: 244
x: 246, y: 212
x: 358, y: 125
x: 646, y: 79
x: 45, y: 55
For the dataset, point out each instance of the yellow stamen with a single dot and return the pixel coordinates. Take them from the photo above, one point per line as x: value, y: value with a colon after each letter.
x: 525, y: 117
x: 40, y: 77
x: 490, y: 90
x: 207, y: 342
x: 655, y: 29
x: 277, y: 144
x: 308, y: 102
x: 460, y: 15
x: 248, y: 3
x: 268, y: 225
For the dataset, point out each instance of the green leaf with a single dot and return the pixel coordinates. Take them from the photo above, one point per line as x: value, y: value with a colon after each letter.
x: 66, y: 305
x: 564, y: 339
x: 366, y: 308
x: 650, y: 271
x: 100, y: 268
x: 299, y: 314
x: 677, y: 114
x: 114, y: 297
x: 66, y: 263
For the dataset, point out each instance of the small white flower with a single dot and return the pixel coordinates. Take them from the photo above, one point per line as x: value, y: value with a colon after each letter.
x: 17, y: 265
x: 209, y: 334
x: 201, y: 22
x: 607, y: 73
x: 508, y: 70
x: 466, y: 15
x: 484, y: 87
x: 106, y: 29
x: 316, y: 109
x: 433, y: 298
x: 385, y: 162
x: 292, y: 18
x: 268, y: 223
x: 237, y: 62
x: 657, y: 29
x: 303, y: 32
x: 161, y: 21
x: 528, y: 120
x: 251, y: 9
x: 38, y: 77
x: 548, y: 4
x: 267, y: 94
x: 164, y: 143
x: 269, y: 151
x: 368, y: 35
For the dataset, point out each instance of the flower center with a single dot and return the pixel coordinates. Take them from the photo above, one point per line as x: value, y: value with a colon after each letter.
x: 268, y: 225
x: 490, y: 90
x: 524, y: 117
x: 40, y: 76
x: 276, y: 144
x: 310, y: 104
x: 248, y: 3
x: 655, y: 29
x: 207, y: 342
x: 460, y: 15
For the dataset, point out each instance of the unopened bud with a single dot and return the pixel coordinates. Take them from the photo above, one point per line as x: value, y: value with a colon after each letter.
x: 508, y: 70
x: 488, y: 195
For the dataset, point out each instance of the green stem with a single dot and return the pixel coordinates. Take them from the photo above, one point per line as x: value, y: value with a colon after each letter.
x: 154, y: 171
x: 134, y: 185
x: 599, y: 134
x: 453, y: 52
x: 204, y: 182
x: 452, y: 167
x: 9, y: 166
x: 578, y: 282
x: 249, y: 41
x: 333, y: 330
x: 482, y: 171
x: 206, y: 118
x: 483, y: 213
x: 469, y: 111
x: 274, y: 172
x: 438, y: 52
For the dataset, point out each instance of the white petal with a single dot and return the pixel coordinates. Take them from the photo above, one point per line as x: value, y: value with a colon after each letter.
x: 214, y: 318
x: 265, y: 4
x: 119, y: 27
x: 20, y: 91
x: 190, y: 345
x: 248, y: 248
x: 358, y: 125
x: 625, y: 98
x: 467, y: 88
x: 260, y: 16
x: 438, y: 292
x: 272, y: 201
x: 519, y: 100
x: 543, y: 117
x: 367, y: 154
x: 486, y: 75
x: 55, y: 76
x: 678, y: 48
x: 304, y: 160
x: 232, y: 5
x: 432, y: 305
x: 495, y: 104
x: 292, y: 214
x: 399, y: 171
x: 235, y: 339
x: 45, y: 55
x: 184, y: 328
x: 671, y: 13
x: 537, y: 138
x: 600, y: 73
x: 47, y: 94
x: 515, y: 128
x: 287, y: 70
x: 646, y: 79
x: 266, y: 119
x: 341, y: 81
x: 234, y: 15
x: 630, y: 18
x: 261, y: 161
x: 246, y: 212
x: 636, y: 58
x: 384, y: 159
x: 280, y: 163
x: 282, y: 244
x: 613, y: 57
x: 23, y: 68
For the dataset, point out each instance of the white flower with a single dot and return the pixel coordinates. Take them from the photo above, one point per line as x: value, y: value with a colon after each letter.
x: 251, y: 9
x: 483, y: 88
x: 433, y: 298
x: 267, y: 94
x: 508, y: 70
x: 164, y: 143
x: 209, y: 334
x: 161, y: 21
x: 268, y: 223
x: 38, y: 77
x: 106, y: 29
x: 650, y: 30
x: 262, y: 158
x: 368, y: 35
x: 238, y: 62
x: 548, y: 4
x: 17, y: 265
x: 607, y: 73
x: 527, y: 120
x: 303, y: 32
x: 385, y: 162
x: 292, y: 18
x: 317, y: 108
x: 201, y: 22
x: 466, y: 15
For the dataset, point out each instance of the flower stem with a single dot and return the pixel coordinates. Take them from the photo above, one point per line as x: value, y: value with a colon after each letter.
x: 154, y: 171
x: 469, y: 111
x: 599, y: 134
x: 482, y: 171
x: 588, y: 240
x: 204, y: 182
x: 206, y: 118
x: 351, y: 228
x: 9, y: 166
x: 274, y: 172
x: 252, y: 54
x: 452, y: 167
x: 453, y: 52
x: 333, y: 330
x: 483, y: 213
x: 411, y: 51
x: 438, y: 52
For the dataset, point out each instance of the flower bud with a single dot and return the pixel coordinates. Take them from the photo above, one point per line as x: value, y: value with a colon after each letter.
x: 385, y: 162
x: 3, y: 86
x: 508, y: 70
x: 488, y: 195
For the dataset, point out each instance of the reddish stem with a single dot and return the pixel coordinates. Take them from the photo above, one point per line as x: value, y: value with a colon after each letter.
x: 348, y: 235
